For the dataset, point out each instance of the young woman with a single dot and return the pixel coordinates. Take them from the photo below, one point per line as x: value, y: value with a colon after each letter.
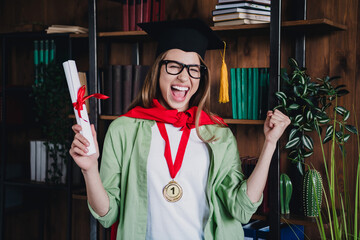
x: 169, y: 168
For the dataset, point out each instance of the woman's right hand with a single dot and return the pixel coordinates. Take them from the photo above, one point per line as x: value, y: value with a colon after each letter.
x: 78, y: 150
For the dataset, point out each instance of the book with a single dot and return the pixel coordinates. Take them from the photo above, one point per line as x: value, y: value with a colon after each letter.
x: 117, y: 90
x: 132, y: 15
x: 231, y: 16
x: 36, y: 62
x: 127, y: 79
x: 139, y: 9
x: 240, y: 97
x: 233, y: 92
x: 82, y: 117
x: 162, y: 10
x: 255, y: 103
x: 243, y: 5
x: 250, y: 99
x: 83, y: 82
x: 46, y: 52
x: 139, y: 73
x: 125, y: 15
x: 32, y: 160
x: 265, y: 2
x: 147, y: 10
x: 244, y: 93
x: 239, y: 22
x: 263, y: 92
x: 155, y: 10
x: 238, y: 10
x: 52, y: 50
x: 66, y: 29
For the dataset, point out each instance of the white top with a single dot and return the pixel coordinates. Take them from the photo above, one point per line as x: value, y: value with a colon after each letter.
x: 186, y: 218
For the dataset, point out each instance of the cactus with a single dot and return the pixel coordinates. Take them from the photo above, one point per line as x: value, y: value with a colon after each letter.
x: 312, y: 193
x: 285, y: 193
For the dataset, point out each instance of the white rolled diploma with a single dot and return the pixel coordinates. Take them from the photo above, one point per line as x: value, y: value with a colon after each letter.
x: 72, y: 78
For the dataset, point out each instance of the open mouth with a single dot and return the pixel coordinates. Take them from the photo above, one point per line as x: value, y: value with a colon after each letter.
x: 178, y: 92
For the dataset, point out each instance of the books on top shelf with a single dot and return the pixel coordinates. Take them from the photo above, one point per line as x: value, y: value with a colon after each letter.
x: 139, y: 11
x: 66, y: 29
x: 230, y: 12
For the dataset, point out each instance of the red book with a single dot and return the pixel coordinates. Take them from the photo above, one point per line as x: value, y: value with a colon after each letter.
x: 162, y: 10
x: 125, y: 15
x: 139, y: 13
x: 147, y: 10
x: 132, y: 15
x: 155, y: 10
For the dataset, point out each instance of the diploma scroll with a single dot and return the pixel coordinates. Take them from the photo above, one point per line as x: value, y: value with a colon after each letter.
x: 72, y: 78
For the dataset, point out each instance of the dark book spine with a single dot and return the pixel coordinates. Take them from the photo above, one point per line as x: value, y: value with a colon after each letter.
x: 107, y: 90
x: 147, y: 10
x: 155, y: 10
x: 162, y: 10
x: 132, y: 15
x: 139, y: 73
x: 127, y: 78
x: 125, y: 15
x: 117, y: 90
x: 139, y: 13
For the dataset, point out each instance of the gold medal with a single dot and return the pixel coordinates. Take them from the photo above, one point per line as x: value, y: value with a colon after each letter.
x: 172, y: 191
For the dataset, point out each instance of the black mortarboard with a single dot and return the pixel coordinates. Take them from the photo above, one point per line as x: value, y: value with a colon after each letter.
x: 189, y: 35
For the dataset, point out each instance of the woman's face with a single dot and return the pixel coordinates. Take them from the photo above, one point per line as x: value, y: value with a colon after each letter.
x: 177, y: 90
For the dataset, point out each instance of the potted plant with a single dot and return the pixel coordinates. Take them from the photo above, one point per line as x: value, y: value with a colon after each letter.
x: 51, y: 100
x: 307, y: 103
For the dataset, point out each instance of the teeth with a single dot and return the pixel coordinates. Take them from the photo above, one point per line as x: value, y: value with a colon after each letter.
x: 180, y: 88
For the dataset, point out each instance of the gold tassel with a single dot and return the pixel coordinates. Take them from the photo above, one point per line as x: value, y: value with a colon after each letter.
x: 224, y: 83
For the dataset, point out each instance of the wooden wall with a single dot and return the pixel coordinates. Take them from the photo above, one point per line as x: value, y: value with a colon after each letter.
x: 337, y: 53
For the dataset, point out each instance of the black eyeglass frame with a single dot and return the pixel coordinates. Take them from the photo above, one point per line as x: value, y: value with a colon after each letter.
x: 202, y: 67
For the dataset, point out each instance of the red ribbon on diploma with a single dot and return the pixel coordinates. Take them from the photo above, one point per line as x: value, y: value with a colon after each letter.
x: 78, y: 105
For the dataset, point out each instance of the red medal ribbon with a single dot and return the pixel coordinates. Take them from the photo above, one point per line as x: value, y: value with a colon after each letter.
x: 174, y: 167
x: 80, y: 101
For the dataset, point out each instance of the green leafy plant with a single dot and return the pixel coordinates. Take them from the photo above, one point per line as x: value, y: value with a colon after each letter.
x: 341, y: 207
x: 51, y: 101
x: 307, y: 103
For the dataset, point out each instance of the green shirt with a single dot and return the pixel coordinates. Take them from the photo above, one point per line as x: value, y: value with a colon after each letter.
x: 123, y: 173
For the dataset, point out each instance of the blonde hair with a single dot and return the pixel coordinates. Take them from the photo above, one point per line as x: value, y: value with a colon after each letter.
x: 151, y: 90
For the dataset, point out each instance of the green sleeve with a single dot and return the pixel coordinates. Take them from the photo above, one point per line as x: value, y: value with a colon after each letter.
x: 232, y: 189
x: 110, y: 174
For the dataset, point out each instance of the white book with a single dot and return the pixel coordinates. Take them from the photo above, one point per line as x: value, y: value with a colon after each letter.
x: 266, y: 2
x: 243, y: 5
x: 32, y: 160
x: 43, y: 160
x: 38, y: 160
x: 233, y: 16
x: 243, y: 10
x: 238, y: 22
x: 72, y: 78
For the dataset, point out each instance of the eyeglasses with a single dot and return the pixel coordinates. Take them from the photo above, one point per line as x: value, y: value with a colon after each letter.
x: 174, y: 68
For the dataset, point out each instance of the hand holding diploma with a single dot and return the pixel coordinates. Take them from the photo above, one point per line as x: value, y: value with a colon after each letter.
x: 77, y: 97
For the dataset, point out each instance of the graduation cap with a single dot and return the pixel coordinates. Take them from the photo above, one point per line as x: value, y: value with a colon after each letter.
x: 189, y: 35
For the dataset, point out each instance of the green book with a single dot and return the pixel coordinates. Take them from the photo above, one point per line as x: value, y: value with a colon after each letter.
x: 239, y: 94
x: 262, y: 97
x: 233, y: 93
x: 250, y: 98
x: 36, y: 62
x: 244, y: 93
x: 255, y: 94
x: 41, y: 61
x: 52, y: 50
x: 46, y: 52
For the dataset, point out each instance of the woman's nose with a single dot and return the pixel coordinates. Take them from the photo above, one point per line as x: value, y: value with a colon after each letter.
x: 184, y: 75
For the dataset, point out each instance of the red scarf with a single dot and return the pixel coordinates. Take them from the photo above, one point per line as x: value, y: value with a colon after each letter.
x: 179, y: 119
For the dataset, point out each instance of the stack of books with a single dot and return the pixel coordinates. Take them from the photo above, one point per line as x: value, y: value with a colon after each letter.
x: 235, y: 12
x: 66, y: 29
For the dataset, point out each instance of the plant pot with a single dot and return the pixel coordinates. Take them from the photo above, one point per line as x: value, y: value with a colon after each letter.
x: 312, y: 193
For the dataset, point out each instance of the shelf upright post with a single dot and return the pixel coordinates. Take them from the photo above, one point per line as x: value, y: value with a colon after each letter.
x: 3, y: 138
x: 274, y: 85
x: 300, y: 14
x: 93, y: 86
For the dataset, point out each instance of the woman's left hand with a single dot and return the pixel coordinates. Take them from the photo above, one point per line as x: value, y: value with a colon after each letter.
x: 275, y: 124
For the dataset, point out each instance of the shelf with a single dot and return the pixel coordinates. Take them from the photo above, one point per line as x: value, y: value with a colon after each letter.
x: 318, y: 25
